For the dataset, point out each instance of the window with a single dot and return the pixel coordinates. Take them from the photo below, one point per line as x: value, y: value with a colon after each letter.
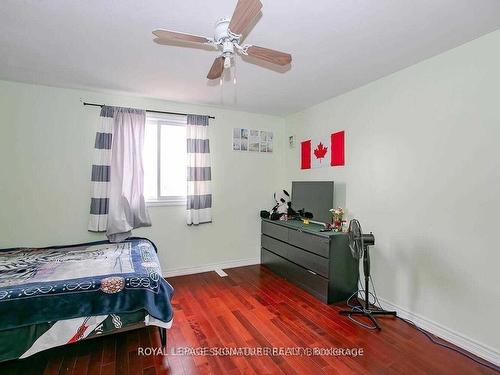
x: 165, y: 160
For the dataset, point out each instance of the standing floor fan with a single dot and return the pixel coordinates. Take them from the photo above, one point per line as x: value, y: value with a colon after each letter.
x: 358, y: 243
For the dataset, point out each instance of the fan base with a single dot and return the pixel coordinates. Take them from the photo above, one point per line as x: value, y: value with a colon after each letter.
x: 369, y: 313
x: 221, y: 29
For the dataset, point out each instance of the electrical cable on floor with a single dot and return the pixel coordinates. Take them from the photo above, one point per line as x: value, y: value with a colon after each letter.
x: 358, y: 308
x: 377, y: 303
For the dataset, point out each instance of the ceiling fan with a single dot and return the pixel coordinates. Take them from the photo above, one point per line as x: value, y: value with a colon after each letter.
x: 227, y: 37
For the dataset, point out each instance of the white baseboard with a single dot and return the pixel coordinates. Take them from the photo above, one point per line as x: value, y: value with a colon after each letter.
x: 486, y: 352
x: 211, y: 267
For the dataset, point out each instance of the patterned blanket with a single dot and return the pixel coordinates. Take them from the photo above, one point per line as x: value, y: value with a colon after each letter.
x: 99, y: 278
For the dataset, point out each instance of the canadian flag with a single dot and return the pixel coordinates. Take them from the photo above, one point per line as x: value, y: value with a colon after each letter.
x: 323, y: 152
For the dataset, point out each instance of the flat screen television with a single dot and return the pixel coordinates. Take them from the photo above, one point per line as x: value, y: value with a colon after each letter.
x: 315, y: 197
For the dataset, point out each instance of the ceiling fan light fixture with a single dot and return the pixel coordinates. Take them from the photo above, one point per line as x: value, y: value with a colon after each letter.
x: 227, y: 62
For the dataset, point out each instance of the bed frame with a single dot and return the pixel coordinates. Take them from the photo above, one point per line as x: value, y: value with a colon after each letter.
x: 162, y: 331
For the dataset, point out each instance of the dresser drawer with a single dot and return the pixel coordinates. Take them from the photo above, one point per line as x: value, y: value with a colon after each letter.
x: 314, y: 284
x: 274, y: 262
x: 310, y: 282
x: 302, y: 258
x: 307, y: 260
x: 309, y: 242
x: 275, y: 230
x: 274, y: 245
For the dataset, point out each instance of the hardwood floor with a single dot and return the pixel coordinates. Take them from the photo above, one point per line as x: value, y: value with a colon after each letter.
x: 252, y: 307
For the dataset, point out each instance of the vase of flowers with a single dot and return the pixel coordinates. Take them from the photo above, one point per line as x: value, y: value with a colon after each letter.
x: 337, y: 218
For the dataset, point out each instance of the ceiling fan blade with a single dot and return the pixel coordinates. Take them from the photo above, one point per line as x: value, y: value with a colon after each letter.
x: 216, y: 69
x: 243, y: 14
x: 269, y: 55
x: 167, y: 35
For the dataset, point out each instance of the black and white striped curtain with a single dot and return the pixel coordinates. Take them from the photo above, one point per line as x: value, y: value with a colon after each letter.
x: 199, y: 173
x: 101, y: 167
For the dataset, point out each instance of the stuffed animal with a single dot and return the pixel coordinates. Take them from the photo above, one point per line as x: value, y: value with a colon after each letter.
x: 282, y: 210
x: 283, y: 207
x: 279, y: 210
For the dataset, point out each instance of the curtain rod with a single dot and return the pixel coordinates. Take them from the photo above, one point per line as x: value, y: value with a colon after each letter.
x: 147, y: 110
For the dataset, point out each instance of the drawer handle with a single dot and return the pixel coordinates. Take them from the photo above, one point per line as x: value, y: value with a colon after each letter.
x: 314, y: 273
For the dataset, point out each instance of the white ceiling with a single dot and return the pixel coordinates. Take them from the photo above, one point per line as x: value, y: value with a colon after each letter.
x: 336, y: 45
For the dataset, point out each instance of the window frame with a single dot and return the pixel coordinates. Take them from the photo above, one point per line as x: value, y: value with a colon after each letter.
x: 168, y: 120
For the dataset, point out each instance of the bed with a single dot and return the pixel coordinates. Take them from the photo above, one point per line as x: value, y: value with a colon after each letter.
x: 63, y: 294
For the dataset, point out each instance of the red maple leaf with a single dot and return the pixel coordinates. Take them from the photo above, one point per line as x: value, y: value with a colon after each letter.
x: 79, y: 333
x: 320, y: 151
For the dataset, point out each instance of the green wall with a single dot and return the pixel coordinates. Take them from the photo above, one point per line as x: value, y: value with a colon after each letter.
x: 423, y: 173
x: 46, y: 149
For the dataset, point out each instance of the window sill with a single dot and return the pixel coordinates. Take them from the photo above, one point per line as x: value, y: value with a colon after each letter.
x: 159, y: 203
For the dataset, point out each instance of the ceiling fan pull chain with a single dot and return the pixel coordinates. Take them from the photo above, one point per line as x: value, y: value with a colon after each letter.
x: 234, y: 82
x: 221, y: 85
x: 234, y: 71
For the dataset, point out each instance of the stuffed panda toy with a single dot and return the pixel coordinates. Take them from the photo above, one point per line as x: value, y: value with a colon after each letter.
x: 278, y: 212
x: 282, y: 210
x: 283, y: 207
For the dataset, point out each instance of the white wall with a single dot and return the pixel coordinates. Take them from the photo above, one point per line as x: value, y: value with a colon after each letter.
x: 46, y: 148
x: 423, y: 173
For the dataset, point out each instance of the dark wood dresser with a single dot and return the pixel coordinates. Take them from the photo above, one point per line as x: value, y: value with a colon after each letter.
x: 318, y: 262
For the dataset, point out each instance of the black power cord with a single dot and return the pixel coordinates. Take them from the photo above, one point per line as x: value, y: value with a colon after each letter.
x: 442, y: 344
x: 358, y: 307
x: 431, y: 337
